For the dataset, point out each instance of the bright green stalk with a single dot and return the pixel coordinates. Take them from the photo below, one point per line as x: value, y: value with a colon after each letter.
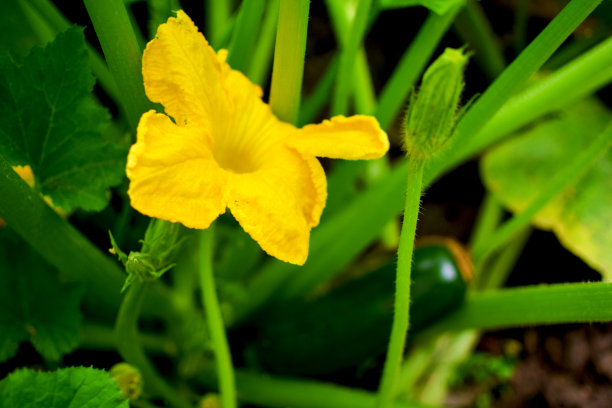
x: 568, y: 53
x: 560, y: 182
x: 493, y: 274
x: 217, y: 15
x: 289, y: 53
x: 126, y: 333
x: 489, y: 216
x: 476, y: 30
x: 223, y: 357
x: 531, y: 305
x: 245, y: 33
x: 59, y: 23
x: 123, y: 55
x: 517, y: 73
x: 401, y: 309
x: 348, y: 57
x: 365, y: 98
x: 56, y: 240
x: 315, y: 101
x: 259, y: 69
x: 411, y: 65
x: 274, y: 392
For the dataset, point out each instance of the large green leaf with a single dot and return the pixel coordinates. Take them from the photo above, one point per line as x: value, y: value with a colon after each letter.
x: 34, y: 305
x: 51, y: 122
x: 74, y: 387
x: 582, y: 215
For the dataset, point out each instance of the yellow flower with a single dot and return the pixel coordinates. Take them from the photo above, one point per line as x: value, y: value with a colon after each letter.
x: 223, y: 148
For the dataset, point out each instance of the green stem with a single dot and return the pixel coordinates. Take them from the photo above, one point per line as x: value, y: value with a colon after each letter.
x: 259, y: 69
x: 123, y: 55
x: 245, y: 34
x: 126, y: 333
x: 216, y: 327
x: 288, y: 70
x: 530, y: 305
x: 348, y: 56
x: 315, y: 101
x: 568, y: 53
x: 59, y: 23
x: 56, y: 240
x: 401, y: 309
x: 489, y: 216
x: 264, y: 390
x: 365, y: 98
x: 494, y: 274
x: 411, y: 65
x: 475, y: 29
x: 217, y: 15
x: 559, y: 183
x: 101, y: 337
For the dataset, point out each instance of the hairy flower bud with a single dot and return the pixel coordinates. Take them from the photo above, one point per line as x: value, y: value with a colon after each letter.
x: 434, y: 110
x: 129, y: 379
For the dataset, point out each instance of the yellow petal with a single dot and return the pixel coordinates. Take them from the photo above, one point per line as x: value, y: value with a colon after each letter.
x: 173, y: 175
x: 183, y: 73
x: 279, y: 204
x: 354, y: 138
x: 26, y: 174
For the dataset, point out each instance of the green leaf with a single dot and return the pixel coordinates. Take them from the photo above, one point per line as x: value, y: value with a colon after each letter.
x: 34, y: 305
x: 51, y: 122
x: 82, y: 387
x: 581, y: 216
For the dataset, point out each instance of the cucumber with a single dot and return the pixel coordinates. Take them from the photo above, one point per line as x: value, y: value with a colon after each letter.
x: 352, y: 323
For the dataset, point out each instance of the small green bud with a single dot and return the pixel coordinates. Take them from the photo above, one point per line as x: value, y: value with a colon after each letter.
x: 434, y: 111
x: 210, y: 401
x: 129, y: 379
x: 160, y: 246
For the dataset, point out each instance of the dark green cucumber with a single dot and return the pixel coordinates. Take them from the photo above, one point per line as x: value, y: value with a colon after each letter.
x: 352, y: 323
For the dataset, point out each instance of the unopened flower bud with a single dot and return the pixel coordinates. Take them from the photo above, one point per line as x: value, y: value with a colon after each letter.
x: 210, y: 401
x: 434, y: 109
x: 129, y: 379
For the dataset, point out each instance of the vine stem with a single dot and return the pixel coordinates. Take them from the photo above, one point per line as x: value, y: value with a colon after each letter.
x: 289, y: 51
x: 402, y: 285
x: 123, y: 54
x: 128, y: 345
x: 214, y: 319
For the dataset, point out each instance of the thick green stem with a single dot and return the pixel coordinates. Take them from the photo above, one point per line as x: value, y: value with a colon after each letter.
x: 401, y: 309
x: 214, y: 319
x: 123, y: 55
x: 288, y: 70
x: 348, y: 55
x: 530, y: 305
x: 559, y: 183
x: 476, y: 30
x: 259, y: 70
x: 411, y: 65
x: 267, y: 391
x: 245, y: 33
x: 493, y: 274
x: 56, y: 240
x: 217, y: 16
x: 126, y: 333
